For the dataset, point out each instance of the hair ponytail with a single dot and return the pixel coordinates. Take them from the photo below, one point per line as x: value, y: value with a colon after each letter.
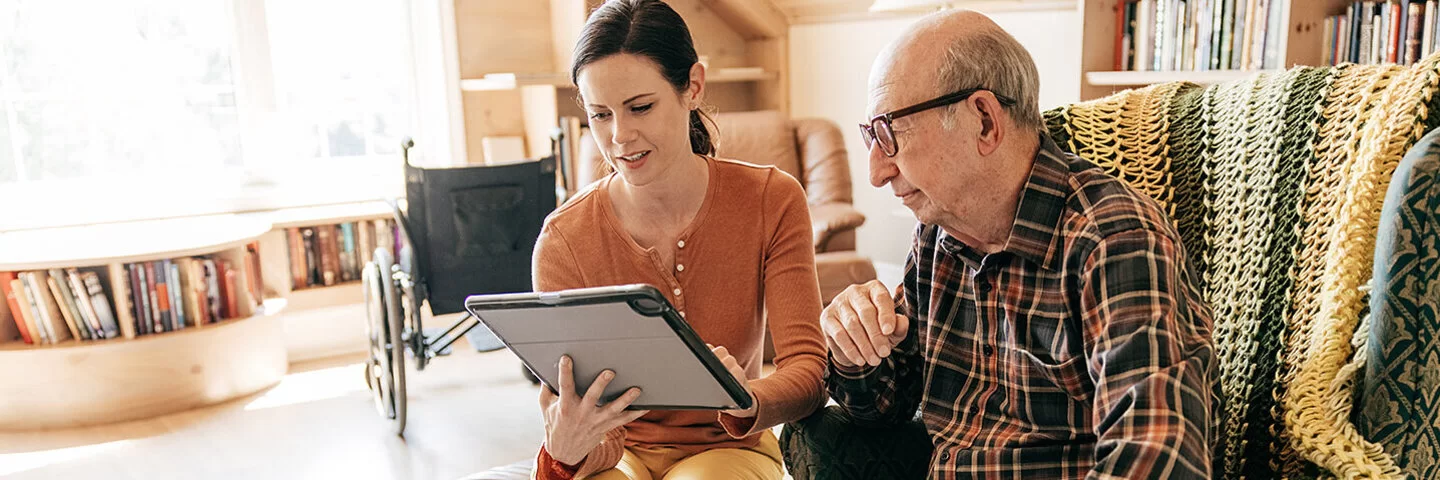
x: 702, y: 141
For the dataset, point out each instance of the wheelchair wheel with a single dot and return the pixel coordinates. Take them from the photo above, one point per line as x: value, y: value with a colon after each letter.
x: 386, y: 369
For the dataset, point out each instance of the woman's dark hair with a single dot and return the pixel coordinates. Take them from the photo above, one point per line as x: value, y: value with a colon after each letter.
x: 651, y: 29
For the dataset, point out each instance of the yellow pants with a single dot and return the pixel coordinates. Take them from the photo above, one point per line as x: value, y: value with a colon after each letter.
x: 761, y: 462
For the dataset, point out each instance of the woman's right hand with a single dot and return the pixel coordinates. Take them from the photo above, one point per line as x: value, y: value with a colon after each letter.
x: 575, y: 425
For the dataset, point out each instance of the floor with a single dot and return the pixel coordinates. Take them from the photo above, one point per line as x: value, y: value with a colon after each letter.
x: 468, y: 411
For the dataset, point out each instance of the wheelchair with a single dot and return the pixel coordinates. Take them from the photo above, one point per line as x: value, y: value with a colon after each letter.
x: 462, y: 231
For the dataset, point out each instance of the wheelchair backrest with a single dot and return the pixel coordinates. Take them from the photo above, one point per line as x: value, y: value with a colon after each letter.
x: 473, y: 229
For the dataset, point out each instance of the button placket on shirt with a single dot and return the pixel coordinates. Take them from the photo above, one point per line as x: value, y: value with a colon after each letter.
x: 675, y: 275
x: 984, y: 336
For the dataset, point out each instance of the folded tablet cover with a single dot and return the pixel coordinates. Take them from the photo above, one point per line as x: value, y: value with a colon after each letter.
x: 631, y: 330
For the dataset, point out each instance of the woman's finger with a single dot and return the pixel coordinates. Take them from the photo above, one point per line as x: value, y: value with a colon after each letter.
x: 547, y: 397
x: 597, y: 389
x: 567, y: 378
x: 618, y: 405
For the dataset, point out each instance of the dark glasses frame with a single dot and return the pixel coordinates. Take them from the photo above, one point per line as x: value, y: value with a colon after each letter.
x: 880, y: 131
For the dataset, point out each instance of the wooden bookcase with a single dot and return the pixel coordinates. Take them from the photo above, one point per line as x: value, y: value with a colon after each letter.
x: 1301, y: 44
x: 515, y: 59
x: 76, y: 383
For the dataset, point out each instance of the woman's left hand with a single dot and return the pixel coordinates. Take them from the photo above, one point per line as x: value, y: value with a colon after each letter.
x: 736, y: 371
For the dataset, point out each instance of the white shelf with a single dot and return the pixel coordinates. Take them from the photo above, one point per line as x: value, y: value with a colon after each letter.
x: 329, y: 214
x: 1206, y: 77
x: 511, y: 81
x: 127, y: 242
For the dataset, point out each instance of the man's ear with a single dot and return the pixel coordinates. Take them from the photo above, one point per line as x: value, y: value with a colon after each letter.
x: 696, y: 92
x: 993, y: 118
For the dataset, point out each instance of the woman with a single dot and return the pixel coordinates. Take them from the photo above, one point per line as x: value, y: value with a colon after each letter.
x: 729, y: 243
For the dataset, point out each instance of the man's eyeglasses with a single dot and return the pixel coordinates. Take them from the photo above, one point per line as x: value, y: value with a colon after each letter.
x: 879, y: 130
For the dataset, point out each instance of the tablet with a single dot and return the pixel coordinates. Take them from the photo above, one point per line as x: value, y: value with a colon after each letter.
x: 629, y: 329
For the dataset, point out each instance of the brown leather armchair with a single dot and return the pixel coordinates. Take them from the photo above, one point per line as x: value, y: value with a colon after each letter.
x: 812, y: 151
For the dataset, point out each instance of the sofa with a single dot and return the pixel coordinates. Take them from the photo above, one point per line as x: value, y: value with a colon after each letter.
x: 1323, y: 286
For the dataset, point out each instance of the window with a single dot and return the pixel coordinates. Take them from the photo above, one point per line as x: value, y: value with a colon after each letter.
x: 126, y: 109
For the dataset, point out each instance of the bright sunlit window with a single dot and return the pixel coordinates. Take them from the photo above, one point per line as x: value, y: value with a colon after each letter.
x: 227, y: 105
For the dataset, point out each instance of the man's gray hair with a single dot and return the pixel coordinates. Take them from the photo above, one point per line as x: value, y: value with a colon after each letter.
x: 992, y: 59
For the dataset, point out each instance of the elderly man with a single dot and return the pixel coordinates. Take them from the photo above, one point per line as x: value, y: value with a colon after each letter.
x: 1048, y: 325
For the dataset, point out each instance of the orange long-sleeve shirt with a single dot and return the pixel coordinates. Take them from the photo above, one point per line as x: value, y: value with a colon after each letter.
x: 747, y: 257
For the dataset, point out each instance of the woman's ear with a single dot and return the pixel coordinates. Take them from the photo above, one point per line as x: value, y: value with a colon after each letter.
x: 696, y: 93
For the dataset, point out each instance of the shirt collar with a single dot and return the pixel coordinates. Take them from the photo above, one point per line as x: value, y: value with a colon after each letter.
x: 1035, y: 231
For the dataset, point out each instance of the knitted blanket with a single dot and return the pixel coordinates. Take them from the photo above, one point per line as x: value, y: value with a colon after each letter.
x: 1275, y: 183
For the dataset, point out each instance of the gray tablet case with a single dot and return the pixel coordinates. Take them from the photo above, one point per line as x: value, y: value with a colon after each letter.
x: 632, y: 330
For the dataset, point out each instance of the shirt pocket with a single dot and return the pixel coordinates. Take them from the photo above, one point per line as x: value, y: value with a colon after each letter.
x: 1054, y: 398
x: 1040, y: 374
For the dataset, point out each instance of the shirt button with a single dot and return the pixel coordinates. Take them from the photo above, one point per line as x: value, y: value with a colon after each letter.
x: 984, y: 286
x: 680, y: 244
x: 944, y: 456
x: 679, y: 267
x: 989, y: 351
x: 677, y: 292
x: 974, y: 409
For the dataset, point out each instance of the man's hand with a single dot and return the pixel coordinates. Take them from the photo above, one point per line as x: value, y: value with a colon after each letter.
x: 860, y: 325
x: 739, y: 373
x: 575, y: 425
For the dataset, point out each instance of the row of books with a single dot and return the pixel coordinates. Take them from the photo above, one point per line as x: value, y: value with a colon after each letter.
x: 144, y: 298
x: 53, y: 306
x: 329, y: 254
x: 1376, y: 31
x: 1168, y: 35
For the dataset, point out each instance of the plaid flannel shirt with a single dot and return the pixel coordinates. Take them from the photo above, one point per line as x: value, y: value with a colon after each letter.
x: 1082, y: 350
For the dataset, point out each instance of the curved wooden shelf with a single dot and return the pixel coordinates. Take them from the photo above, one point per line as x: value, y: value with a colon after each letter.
x: 104, y: 244
x: 88, y: 383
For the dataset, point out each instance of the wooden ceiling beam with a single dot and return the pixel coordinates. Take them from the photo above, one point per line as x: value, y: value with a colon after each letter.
x: 752, y: 19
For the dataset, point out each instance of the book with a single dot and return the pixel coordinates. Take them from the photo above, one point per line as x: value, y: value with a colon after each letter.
x: 1413, y: 26
x: 54, y: 324
x: 1427, y: 35
x: 177, y: 302
x: 14, y: 303
x: 101, y: 303
x: 143, y: 324
x: 120, y: 291
x: 66, y: 301
x: 299, y: 276
x: 329, y: 255
x: 147, y: 275
x: 256, y: 281
x: 162, y: 295
x: 87, y: 311
x: 84, y: 317
x: 213, y: 303
x: 185, y: 271
x: 312, y: 257
x: 9, y: 330
x: 1144, y: 35
x: 225, y: 277
x: 27, y: 311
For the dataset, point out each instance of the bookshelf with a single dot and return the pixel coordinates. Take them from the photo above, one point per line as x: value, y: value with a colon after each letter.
x: 320, y: 320
x: 515, y: 59
x: 73, y: 382
x: 1300, y: 42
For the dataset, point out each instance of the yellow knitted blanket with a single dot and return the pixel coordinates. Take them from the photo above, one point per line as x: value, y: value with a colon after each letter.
x: 1276, y: 184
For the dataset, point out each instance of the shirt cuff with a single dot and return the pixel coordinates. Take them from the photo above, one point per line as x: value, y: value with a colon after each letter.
x: 848, y: 372
x: 738, y: 427
x: 547, y: 467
